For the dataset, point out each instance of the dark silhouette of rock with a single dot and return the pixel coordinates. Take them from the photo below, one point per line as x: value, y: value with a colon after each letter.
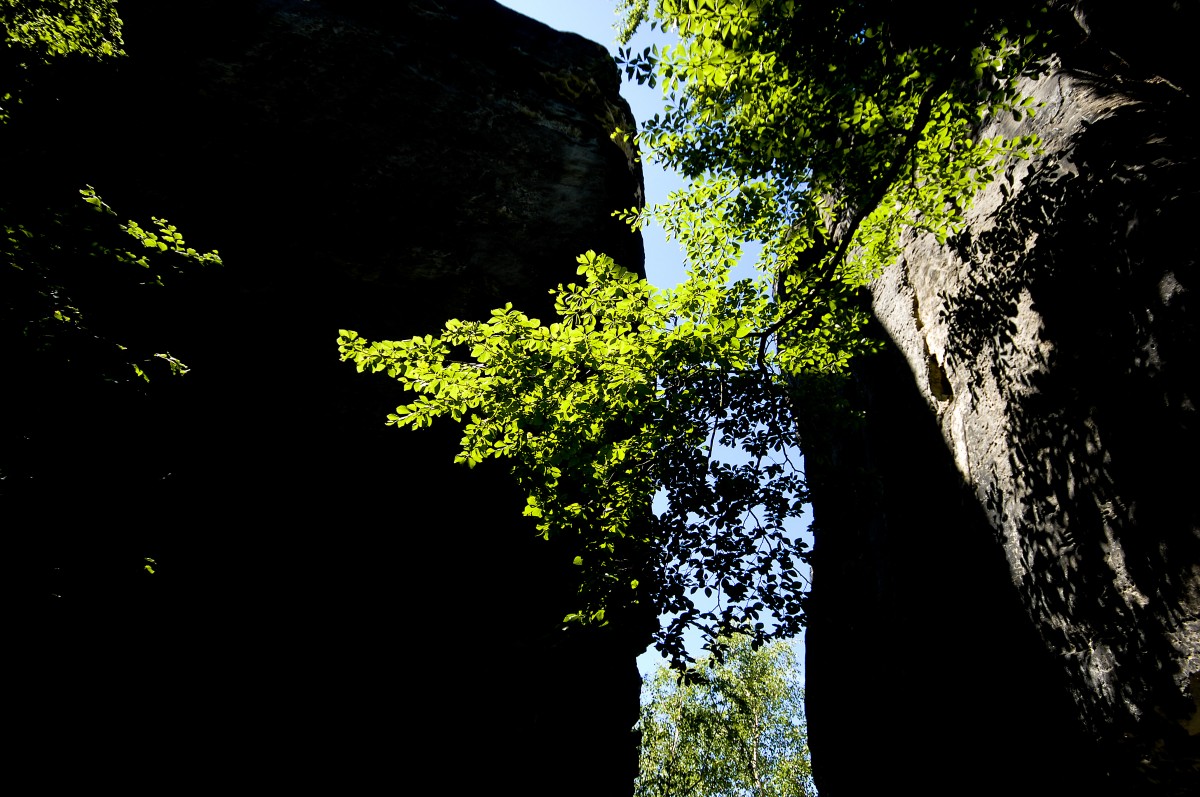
x: 1007, y: 562
x: 336, y: 606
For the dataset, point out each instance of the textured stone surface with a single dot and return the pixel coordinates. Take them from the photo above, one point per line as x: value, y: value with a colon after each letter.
x: 1031, y: 550
x: 337, y: 606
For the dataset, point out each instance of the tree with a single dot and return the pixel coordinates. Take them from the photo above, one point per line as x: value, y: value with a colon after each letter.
x: 77, y: 286
x: 821, y: 129
x: 730, y: 726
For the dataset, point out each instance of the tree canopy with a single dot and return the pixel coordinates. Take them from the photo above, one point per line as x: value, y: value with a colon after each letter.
x: 728, y: 727
x: 823, y: 130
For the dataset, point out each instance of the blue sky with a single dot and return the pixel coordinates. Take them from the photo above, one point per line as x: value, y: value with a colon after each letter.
x: 594, y: 20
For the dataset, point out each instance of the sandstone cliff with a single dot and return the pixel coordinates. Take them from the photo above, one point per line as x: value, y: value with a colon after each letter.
x: 1007, y: 558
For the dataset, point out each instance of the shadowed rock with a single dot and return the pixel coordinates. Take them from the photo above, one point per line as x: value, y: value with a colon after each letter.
x: 336, y: 605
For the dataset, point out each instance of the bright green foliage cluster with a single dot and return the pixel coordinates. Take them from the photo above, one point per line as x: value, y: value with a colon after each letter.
x: 631, y: 13
x: 35, y: 32
x: 729, y: 727
x: 55, y: 264
x: 628, y: 392
x: 58, y: 27
x: 836, y: 126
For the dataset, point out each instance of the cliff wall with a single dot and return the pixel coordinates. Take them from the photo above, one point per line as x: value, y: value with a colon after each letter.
x: 336, y: 606
x: 1007, y: 559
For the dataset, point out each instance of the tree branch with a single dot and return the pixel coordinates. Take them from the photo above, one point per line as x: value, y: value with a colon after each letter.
x: 876, y: 195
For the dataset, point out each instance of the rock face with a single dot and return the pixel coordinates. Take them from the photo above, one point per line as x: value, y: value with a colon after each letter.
x: 1008, y: 547
x: 336, y: 605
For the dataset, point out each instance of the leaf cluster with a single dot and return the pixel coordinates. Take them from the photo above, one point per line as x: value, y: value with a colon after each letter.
x: 49, y: 28
x: 630, y: 392
x: 34, y: 33
x: 64, y: 272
